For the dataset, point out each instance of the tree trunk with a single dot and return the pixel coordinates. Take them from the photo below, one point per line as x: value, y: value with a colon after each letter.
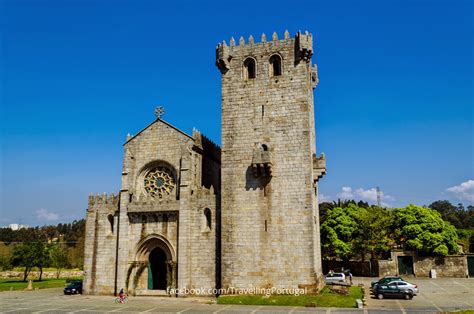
x: 25, y: 274
x: 41, y: 272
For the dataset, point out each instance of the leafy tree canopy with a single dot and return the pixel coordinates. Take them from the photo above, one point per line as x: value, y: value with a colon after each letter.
x: 29, y: 255
x: 423, y: 229
x: 338, y: 230
x: 458, y: 216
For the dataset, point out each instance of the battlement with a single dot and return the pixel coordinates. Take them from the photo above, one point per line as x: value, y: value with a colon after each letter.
x: 103, y: 199
x: 208, y: 147
x: 302, y: 42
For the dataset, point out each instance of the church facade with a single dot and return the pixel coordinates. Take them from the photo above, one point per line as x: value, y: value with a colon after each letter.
x: 192, y: 216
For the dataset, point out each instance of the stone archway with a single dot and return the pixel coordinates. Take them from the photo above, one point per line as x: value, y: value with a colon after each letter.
x: 155, y: 261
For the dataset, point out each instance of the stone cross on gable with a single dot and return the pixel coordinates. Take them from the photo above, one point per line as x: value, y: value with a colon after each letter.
x: 159, y: 111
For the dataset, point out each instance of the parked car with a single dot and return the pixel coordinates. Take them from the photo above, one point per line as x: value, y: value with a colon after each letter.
x: 396, y: 289
x: 385, y: 280
x: 335, y: 277
x: 74, y: 287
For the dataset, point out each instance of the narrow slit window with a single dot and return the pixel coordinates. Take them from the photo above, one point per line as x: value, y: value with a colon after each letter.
x: 275, y: 65
x: 249, y: 68
x: 208, y: 219
x: 111, y: 222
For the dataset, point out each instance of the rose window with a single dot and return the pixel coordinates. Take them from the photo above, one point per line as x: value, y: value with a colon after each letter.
x: 159, y: 182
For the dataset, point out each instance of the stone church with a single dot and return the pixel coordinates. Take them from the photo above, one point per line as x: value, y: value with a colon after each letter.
x: 193, y: 215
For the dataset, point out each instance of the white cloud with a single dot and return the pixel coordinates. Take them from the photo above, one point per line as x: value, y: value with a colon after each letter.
x: 369, y: 195
x: 43, y: 214
x: 346, y: 193
x: 464, y: 191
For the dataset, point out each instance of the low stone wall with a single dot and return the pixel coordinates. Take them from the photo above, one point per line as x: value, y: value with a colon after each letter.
x: 387, y: 268
x: 445, y: 266
x: 35, y: 274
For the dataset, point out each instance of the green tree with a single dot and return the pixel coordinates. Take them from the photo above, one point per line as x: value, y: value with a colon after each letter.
x: 423, y: 229
x: 373, y: 234
x: 448, y: 212
x: 24, y: 256
x: 338, y: 230
x: 29, y: 255
x: 5, y: 263
x: 59, y: 258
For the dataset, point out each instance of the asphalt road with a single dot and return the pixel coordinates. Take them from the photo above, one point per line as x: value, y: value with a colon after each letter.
x: 436, y: 295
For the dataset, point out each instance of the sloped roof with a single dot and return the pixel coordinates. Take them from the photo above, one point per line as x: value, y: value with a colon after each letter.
x: 162, y: 121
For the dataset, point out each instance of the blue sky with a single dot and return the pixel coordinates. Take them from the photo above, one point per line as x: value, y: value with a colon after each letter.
x: 394, y: 107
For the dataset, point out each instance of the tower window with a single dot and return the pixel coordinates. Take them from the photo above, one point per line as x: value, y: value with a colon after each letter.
x: 275, y: 65
x: 264, y: 147
x: 249, y: 68
x: 110, y: 218
x: 208, y: 219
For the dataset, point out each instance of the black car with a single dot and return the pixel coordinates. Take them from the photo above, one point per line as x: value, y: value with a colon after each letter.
x: 74, y: 287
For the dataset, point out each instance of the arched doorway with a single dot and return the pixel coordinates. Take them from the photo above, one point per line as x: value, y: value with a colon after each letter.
x: 157, y: 269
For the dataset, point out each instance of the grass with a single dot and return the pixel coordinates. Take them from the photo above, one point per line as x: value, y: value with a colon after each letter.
x: 51, y: 269
x: 12, y: 284
x: 326, y: 298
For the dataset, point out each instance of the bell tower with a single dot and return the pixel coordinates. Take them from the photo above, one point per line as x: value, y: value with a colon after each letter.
x: 269, y: 167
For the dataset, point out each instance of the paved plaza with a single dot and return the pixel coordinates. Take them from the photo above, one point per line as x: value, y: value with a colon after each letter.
x: 436, y: 295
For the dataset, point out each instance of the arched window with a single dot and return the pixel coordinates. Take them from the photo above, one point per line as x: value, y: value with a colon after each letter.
x: 275, y: 65
x: 110, y: 218
x: 250, y: 69
x: 208, y: 219
x: 264, y: 147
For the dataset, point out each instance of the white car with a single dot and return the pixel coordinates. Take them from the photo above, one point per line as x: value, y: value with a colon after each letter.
x: 335, y: 277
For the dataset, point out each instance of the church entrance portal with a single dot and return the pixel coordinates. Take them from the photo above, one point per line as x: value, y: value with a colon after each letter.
x: 157, y: 269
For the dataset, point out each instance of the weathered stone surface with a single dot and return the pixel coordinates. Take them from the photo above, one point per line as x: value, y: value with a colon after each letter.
x: 445, y: 266
x: 170, y: 198
x: 270, y: 219
x: 139, y: 223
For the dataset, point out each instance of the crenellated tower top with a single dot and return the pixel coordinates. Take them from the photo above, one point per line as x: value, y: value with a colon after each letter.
x: 302, y: 42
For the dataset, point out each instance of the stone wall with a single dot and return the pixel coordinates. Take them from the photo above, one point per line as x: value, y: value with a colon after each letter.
x: 100, y: 244
x: 445, y: 266
x: 36, y: 274
x: 270, y: 224
x: 387, y: 268
x: 175, y: 221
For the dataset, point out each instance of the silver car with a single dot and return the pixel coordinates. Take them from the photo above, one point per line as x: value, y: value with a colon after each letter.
x: 335, y: 277
x: 396, y: 289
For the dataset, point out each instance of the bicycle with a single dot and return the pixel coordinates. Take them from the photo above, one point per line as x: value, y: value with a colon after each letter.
x: 118, y: 300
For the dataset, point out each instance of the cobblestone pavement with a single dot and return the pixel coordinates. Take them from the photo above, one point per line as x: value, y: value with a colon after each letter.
x: 436, y: 295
